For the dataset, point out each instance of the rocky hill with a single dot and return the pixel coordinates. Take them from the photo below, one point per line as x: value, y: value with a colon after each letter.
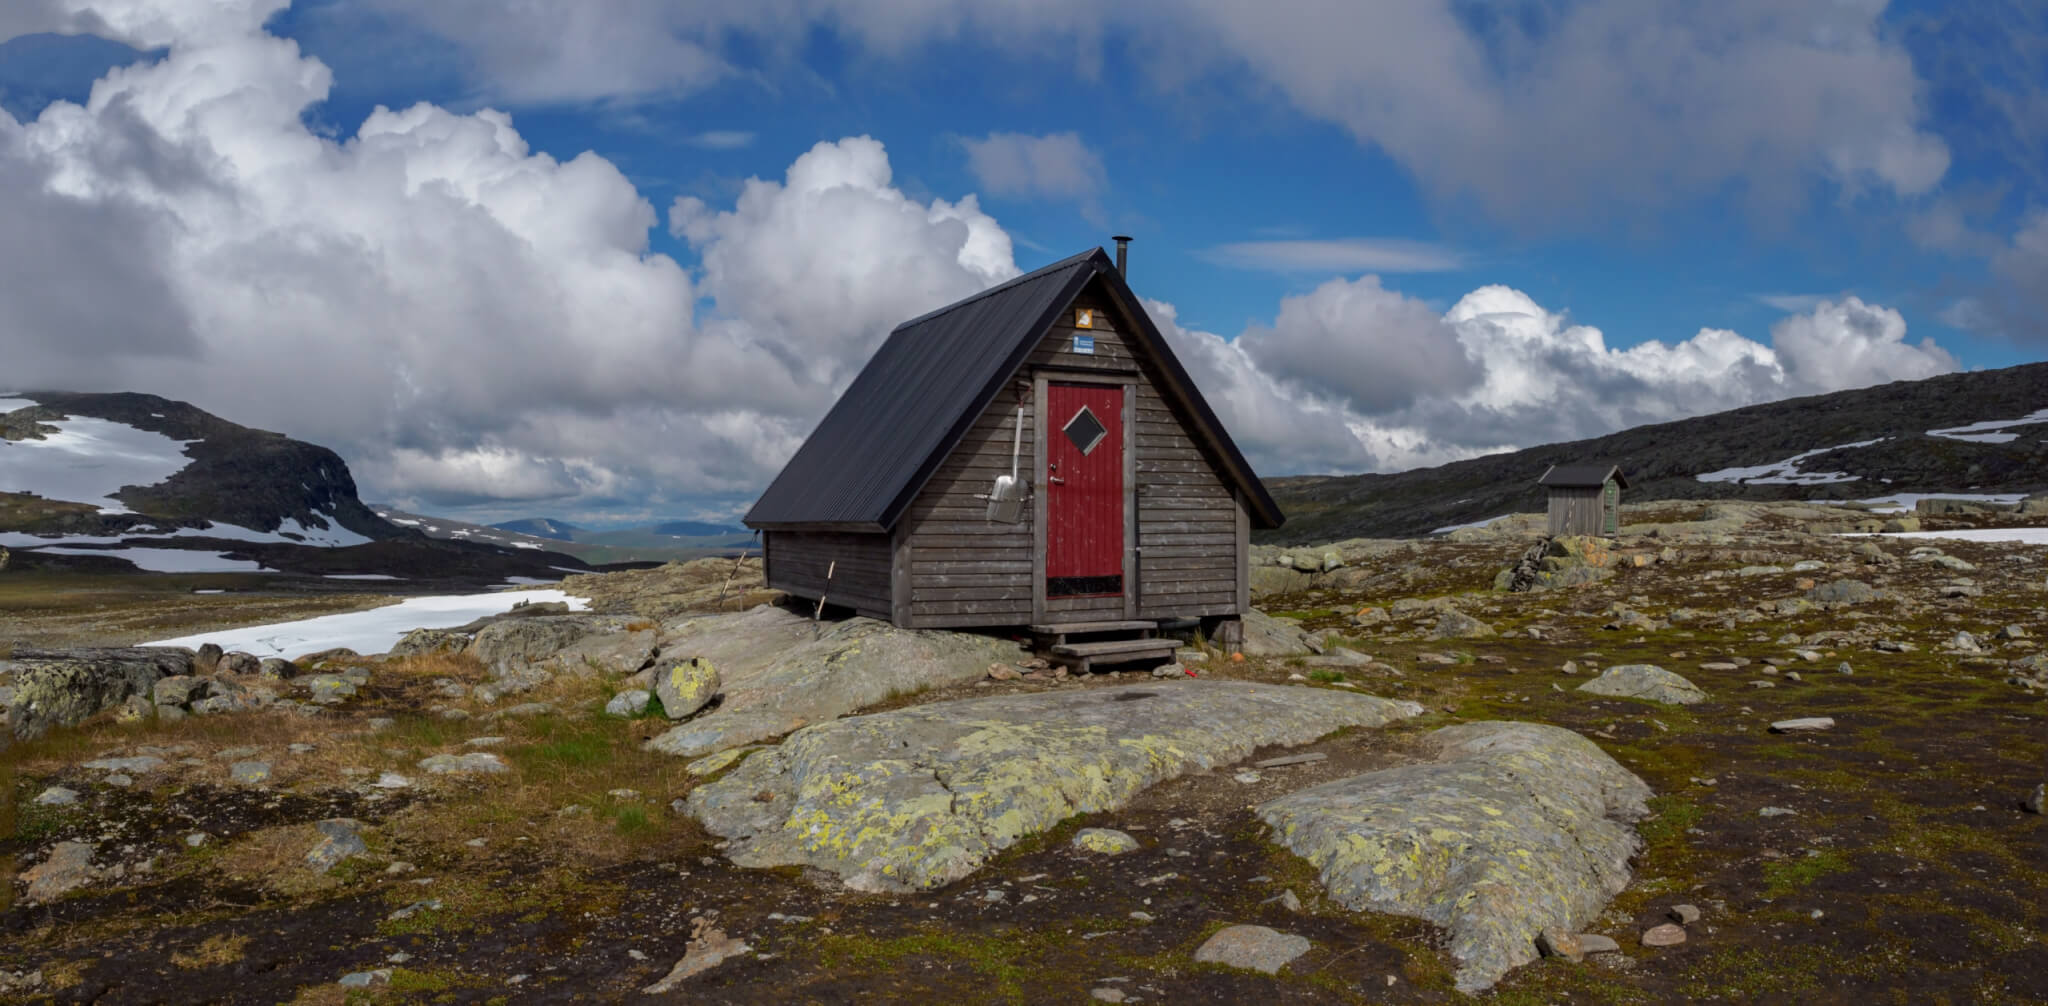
x: 120, y: 482
x: 1979, y: 432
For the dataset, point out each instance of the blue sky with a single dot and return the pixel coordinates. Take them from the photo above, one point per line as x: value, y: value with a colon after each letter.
x: 1382, y: 235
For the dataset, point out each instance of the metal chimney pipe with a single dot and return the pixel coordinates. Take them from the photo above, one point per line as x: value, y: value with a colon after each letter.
x: 1123, y: 245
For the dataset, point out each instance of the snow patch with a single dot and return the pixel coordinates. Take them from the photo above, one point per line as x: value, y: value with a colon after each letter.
x: 11, y: 404
x: 333, y: 536
x: 368, y: 632
x: 528, y: 581
x: 88, y: 461
x: 168, y: 560
x: 1786, y: 472
x: 2023, y: 535
x: 1981, y: 433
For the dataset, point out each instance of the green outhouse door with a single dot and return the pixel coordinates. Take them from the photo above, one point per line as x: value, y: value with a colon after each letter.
x: 1610, y: 508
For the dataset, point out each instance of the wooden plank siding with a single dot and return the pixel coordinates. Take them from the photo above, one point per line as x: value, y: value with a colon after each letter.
x: 1188, y: 524
x: 859, y: 565
x: 1575, y: 510
x: 965, y: 569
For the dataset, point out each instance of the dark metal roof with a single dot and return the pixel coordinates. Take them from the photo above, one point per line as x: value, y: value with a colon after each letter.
x: 922, y: 391
x: 1581, y: 476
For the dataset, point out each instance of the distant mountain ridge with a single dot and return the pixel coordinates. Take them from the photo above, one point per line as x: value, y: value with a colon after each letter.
x: 236, y: 475
x: 1977, y: 432
x: 541, y: 527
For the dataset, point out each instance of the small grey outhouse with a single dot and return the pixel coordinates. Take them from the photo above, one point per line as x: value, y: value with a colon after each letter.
x: 1033, y: 455
x: 1584, y: 499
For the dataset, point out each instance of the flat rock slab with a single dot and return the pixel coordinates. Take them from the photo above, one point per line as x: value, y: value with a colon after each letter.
x: 919, y: 797
x: 1514, y: 828
x: 1645, y: 681
x: 780, y: 671
x: 1254, y: 947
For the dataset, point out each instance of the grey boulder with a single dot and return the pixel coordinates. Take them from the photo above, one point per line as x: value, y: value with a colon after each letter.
x: 1645, y: 681
x: 916, y: 798
x: 1254, y: 948
x: 1513, y: 829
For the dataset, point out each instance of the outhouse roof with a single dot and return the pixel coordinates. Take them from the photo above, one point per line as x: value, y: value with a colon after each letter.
x: 1582, y: 476
x: 922, y: 391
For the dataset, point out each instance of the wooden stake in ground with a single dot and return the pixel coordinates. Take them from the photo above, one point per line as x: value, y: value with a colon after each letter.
x: 720, y: 605
x: 819, y: 611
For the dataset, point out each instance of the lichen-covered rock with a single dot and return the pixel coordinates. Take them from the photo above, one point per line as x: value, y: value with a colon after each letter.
x: 62, y: 687
x: 516, y: 644
x: 686, y: 687
x: 329, y: 689
x: 1266, y: 636
x: 68, y: 868
x: 1455, y: 624
x: 916, y: 798
x: 424, y: 641
x: 1514, y: 828
x: 1106, y: 841
x: 474, y: 763
x: 338, y: 841
x: 1645, y: 681
x: 1842, y: 592
x: 780, y: 671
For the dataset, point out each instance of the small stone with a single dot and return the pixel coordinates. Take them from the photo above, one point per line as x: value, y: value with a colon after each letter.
x: 1107, y: 841
x: 483, y: 742
x: 477, y: 762
x: 1685, y: 915
x: 365, y: 979
x: 197, y: 839
x: 1248, y: 777
x: 1105, y: 994
x: 380, y: 723
x: 1666, y: 935
x: 1844, y: 668
x: 1003, y: 672
x: 68, y: 868
x: 629, y: 703
x: 1804, y: 724
x: 1305, y: 758
x: 391, y: 780
x: 710, y: 948
x: 138, y: 765
x: 1776, y: 812
x: 57, y: 796
x: 1594, y: 943
x: 2038, y: 802
x: 1256, y: 948
x: 119, y: 780
x: 329, y: 689
x: 1560, y: 943
x: 1288, y: 900
x: 339, y: 841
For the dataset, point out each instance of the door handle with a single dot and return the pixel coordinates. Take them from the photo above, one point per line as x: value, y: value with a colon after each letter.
x: 1056, y: 480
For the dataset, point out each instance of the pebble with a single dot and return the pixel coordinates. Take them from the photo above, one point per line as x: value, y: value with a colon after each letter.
x: 144, y: 763
x: 300, y: 749
x: 391, y: 780
x: 197, y: 839
x: 119, y: 780
x: 1776, y: 812
x: 1248, y: 777
x: 1558, y: 943
x: 365, y: 979
x: 1804, y: 724
x: 483, y: 742
x: 1666, y: 935
x: 2038, y: 802
x: 1760, y: 683
x: 339, y: 841
x: 1306, y: 758
x: 1105, y: 994
x: 1844, y: 668
x: 1685, y: 915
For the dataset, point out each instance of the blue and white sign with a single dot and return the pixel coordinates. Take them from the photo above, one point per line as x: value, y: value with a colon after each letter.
x: 1084, y: 344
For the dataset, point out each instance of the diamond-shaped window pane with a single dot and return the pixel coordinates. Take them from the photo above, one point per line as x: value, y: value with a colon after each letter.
x: 1085, y: 430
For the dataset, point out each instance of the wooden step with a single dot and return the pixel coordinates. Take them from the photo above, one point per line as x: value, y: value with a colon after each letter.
x: 1076, y: 628
x: 1080, y: 656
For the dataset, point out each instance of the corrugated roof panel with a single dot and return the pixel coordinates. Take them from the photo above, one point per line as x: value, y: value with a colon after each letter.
x: 1580, y: 476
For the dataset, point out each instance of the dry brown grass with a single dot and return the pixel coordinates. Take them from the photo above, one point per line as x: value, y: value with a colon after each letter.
x: 218, y: 949
x: 275, y: 858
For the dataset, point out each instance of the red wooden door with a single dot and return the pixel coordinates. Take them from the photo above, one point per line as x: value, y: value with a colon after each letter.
x: 1084, y: 496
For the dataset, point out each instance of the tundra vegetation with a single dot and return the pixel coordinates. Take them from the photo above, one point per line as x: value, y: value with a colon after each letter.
x: 1848, y: 809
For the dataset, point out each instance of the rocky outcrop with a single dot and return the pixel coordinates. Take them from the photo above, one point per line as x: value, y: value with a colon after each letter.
x: 919, y: 797
x: 675, y: 588
x: 1645, y: 681
x: 780, y: 671
x: 1513, y: 829
x: 50, y: 688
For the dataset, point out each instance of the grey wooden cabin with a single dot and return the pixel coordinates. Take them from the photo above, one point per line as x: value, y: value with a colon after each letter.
x: 1130, y: 504
x: 1584, y: 499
